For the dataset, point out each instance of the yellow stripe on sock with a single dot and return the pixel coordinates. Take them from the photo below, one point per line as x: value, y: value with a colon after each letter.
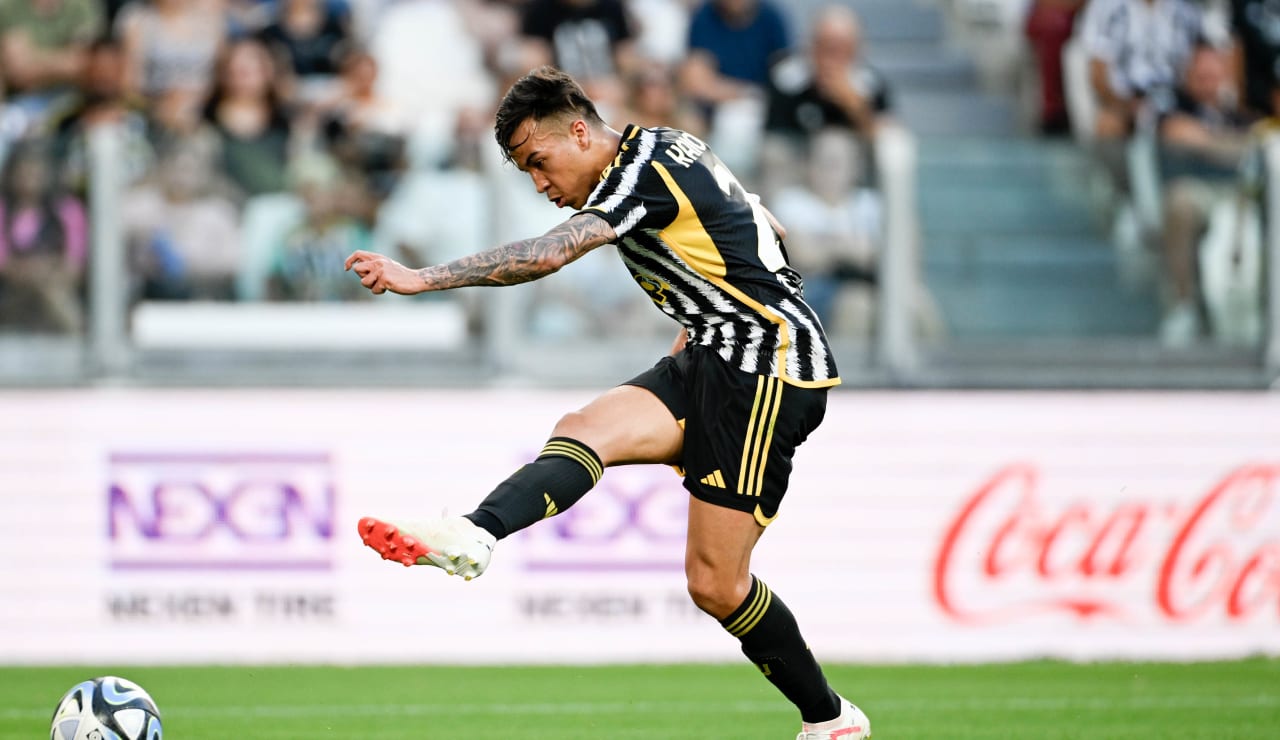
x: 758, y: 615
x: 578, y: 454
x: 748, y: 627
x: 756, y: 598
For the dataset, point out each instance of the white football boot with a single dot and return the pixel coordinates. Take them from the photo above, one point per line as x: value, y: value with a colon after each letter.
x: 453, y: 544
x: 852, y: 724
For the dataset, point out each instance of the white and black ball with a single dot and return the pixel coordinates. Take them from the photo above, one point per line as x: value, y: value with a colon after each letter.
x: 106, y: 708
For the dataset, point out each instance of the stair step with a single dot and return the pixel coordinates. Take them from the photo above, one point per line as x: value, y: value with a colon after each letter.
x: 978, y: 251
x: 916, y: 65
x: 995, y: 212
x: 883, y: 21
x: 1062, y: 300
x: 954, y: 112
x: 899, y: 20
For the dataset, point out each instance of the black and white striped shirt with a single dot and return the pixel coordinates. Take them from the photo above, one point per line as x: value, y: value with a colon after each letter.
x: 703, y: 249
x: 1145, y: 45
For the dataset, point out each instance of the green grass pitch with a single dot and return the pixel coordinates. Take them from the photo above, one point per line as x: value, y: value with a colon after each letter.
x: 1041, y: 700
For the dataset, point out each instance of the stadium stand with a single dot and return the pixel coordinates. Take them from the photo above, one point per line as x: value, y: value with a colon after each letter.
x: 1034, y: 269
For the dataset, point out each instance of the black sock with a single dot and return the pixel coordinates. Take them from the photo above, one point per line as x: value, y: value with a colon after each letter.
x: 564, y: 471
x: 771, y: 639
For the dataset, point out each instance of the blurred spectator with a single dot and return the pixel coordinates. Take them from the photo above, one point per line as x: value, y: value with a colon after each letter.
x: 732, y: 44
x: 170, y: 49
x: 830, y: 86
x: 1137, y: 50
x: 246, y: 17
x: 364, y: 129
x: 181, y: 228
x: 1255, y: 26
x: 112, y: 8
x: 1048, y: 27
x: 42, y: 53
x: 432, y: 67
x: 308, y: 39
x: 835, y: 228
x: 43, y: 245
x: 1202, y: 141
x: 493, y: 23
x: 652, y: 100
x: 248, y: 115
x: 662, y: 29
x: 101, y: 101
x: 307, y: 262
x: 592, y: 40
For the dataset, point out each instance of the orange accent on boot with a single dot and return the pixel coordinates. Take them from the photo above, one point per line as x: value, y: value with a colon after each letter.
x: 388, y: 541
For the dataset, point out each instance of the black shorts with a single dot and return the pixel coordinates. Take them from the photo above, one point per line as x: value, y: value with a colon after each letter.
x: 740, y: 430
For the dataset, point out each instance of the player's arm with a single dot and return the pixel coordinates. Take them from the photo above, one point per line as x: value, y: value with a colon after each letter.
x: 517, y: 262
x: 775, y: 223
x: 681, y: 340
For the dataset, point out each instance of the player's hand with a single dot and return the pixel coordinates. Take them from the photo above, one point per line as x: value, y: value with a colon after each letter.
x: 681, y: 340
x: 379, y: 274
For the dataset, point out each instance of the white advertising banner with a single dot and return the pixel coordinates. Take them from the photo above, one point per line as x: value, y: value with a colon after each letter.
x: 156, y: 526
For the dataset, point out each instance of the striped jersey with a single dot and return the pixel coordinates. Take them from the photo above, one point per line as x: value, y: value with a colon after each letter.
x: 702, y: 248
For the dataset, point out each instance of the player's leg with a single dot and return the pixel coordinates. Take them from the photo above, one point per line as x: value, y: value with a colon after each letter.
x: 627, y: 424
x: 718, y: 567
x: 740, y: 434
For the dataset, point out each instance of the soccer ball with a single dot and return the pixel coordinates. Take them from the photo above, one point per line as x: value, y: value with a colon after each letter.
x: 107, y: 708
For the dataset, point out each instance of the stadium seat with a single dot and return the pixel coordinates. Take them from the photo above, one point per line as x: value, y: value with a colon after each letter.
x: 1082, y: 106
x: 264, y: 221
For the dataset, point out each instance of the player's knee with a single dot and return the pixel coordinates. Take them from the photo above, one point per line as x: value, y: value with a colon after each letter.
x: 574, y: 425
x: 713, y: 592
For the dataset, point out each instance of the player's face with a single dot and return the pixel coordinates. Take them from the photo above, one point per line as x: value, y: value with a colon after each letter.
x: 556, y: 156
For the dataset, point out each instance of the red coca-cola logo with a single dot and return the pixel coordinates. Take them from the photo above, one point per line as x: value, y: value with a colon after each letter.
x: 1009, y: 552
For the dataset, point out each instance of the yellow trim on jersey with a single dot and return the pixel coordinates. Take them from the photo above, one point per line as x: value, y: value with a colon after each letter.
x: 827, y: 383
x: 604, y: 174
x: 686, y: 229
x: 699, y: 243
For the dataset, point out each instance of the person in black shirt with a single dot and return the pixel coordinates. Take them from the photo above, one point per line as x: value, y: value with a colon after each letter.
x: 1255, y: 24
x: 831, y: 86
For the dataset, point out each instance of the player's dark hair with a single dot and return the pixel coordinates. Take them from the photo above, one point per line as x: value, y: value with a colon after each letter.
x: 543, y: 93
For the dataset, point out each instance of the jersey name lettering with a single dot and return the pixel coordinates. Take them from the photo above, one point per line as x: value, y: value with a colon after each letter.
x: 685, y: 150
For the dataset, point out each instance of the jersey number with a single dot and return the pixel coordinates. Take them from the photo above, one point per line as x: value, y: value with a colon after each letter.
x: 766, y: 241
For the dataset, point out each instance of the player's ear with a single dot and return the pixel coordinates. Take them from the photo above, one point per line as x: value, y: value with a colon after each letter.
x: 581, y: 133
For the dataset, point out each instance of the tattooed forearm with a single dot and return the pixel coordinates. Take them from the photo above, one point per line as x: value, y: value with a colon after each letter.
x: 524, y: 260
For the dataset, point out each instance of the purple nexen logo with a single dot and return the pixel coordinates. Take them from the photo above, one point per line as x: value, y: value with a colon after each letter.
x: 634, y: 520
x: 224, y: 511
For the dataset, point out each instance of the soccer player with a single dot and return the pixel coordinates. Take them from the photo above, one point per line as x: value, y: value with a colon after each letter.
x: 745, y: 384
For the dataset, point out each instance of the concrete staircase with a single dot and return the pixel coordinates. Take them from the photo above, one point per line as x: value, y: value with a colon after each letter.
x: 1013, y: 246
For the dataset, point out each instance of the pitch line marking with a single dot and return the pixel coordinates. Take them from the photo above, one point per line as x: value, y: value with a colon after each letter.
x: 1028, y: 703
